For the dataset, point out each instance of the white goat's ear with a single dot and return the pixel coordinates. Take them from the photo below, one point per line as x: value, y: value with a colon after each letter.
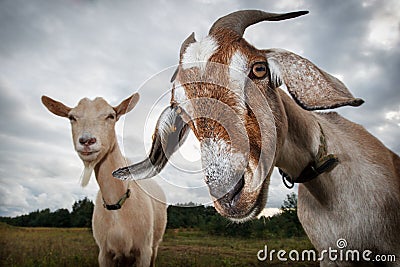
x: 311, y: 87
x: 55, y: 107
x: 127, y: 105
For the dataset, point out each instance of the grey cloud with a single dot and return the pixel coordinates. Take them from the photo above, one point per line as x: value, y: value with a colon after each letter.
x: 74, y: 49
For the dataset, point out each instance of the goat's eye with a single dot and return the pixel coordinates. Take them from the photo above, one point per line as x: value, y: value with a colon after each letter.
x: 259, y: 70
x: 111, y: 116
x: 71, y: 118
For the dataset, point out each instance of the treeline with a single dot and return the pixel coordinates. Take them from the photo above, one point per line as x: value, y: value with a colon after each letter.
x: 205, y: 218
x: 284, y: 224
x: 81, y: 216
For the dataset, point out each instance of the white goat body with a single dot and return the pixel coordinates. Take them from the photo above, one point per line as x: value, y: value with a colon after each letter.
x: 132, y: 232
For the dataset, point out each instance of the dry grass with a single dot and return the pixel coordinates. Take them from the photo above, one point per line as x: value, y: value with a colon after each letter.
x: 47, y: 247
x: 76, y: 247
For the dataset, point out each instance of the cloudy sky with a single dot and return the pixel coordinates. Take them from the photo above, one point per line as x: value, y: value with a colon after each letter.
x: 73, y: 49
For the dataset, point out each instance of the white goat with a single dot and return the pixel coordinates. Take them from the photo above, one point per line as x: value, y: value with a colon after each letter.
x: 227, y: 92
x: 130, y: 230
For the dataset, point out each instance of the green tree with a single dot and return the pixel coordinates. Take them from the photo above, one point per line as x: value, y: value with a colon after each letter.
x: 81, y: 215
x: 290, y: 203
x: 288, y: 220
x: 61, y: 218
x: 40, y: 218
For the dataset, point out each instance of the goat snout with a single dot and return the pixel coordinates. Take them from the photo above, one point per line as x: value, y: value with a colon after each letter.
x: 88, y: 146
x: 87, y: 140
x: 220, y: 191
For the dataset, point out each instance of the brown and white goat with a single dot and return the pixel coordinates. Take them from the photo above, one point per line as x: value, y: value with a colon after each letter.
x: 226, y: 91
x: 129, y: 218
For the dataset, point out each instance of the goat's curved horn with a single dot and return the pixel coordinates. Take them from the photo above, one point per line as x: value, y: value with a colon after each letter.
x: 238, y: 21
x: 171, y: 131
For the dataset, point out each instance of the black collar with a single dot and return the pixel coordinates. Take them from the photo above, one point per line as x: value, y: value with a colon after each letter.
x: 323, y: 163
x: 120, y: 202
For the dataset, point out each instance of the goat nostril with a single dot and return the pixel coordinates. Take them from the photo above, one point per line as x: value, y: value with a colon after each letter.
x: 87, y: 141
x: 230, y: 199
x: 91, y: 141
x: 82, y: 140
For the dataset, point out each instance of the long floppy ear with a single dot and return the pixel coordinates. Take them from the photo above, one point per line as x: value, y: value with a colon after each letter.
x: 171, y: 131
x: 55, y: 107
x: 311, y: 87
x: 126, y: 105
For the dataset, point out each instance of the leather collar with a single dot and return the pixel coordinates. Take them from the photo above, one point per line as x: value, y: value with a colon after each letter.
x: 323, y: 163
x: 120, y: 202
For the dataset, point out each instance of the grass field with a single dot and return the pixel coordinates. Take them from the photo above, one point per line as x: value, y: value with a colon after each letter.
x: 76, y: 247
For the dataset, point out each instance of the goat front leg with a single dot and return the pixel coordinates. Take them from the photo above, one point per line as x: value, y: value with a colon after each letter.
x: 144, y: 258
x: 154, y: 256
x: 105, y: 259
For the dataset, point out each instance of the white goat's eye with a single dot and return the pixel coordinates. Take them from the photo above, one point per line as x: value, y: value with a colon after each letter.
x: 111, y: 116
x: 259, y: 70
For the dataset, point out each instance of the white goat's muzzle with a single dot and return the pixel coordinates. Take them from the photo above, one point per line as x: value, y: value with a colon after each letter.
x: 87, y: 146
